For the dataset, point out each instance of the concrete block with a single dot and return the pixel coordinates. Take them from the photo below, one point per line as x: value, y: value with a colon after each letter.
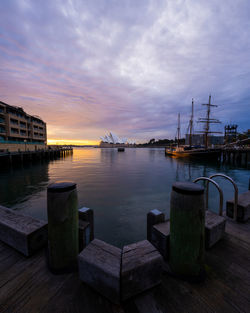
x: 214, y: 228
x: 99, y: 267
x: 160, y: 238
x: 141, y: 268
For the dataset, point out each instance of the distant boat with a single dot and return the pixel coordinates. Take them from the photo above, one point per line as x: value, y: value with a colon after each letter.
x: 187, y: 152
x: 121, y: 149
x: 194, y: 152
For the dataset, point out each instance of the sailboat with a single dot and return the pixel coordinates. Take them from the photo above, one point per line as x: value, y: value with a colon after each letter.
x: 190, y: 151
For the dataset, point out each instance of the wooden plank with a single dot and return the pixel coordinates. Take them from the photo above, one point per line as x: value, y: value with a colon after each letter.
x: 160, y: 238
x: 87, y: 215
x: 141, y: 268
x: 74, y: 296
x: 229, y: 248
x: 26, y: 285
x: 84, y: 234
x: 147, y: 303
x: 153, y: 217
x: 214, y: 228
x: 239, y: 230
x: 178, y: 296
x: 243, y: 208
x: 99, y: 267
x: 230, y: 274
x: 21, y: 232
x: 33, y: 288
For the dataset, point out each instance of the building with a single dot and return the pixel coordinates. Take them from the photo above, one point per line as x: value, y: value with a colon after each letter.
x: 230, y: 133
x: 112, y: 140
x: 199, y: 140
x: 17, y: 127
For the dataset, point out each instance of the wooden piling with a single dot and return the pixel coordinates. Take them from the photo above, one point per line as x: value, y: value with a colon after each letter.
x: 62, y: 207
x: 187, y: 231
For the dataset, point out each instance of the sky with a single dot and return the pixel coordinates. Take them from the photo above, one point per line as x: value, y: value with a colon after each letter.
x: 94, y: 66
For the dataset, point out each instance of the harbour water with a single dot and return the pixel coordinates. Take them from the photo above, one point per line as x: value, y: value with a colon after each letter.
x: 121, y: 187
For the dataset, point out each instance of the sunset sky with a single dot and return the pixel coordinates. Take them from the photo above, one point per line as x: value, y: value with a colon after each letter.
x: 89, y: 67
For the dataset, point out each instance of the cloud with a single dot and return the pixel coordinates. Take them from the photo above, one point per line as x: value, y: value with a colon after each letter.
x: 87, y: 67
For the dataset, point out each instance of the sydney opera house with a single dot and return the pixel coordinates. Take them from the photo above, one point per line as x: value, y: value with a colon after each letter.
x: 112, y: 140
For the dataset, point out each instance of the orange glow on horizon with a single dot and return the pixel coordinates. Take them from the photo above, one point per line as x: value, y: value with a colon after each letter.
x: 72, y: 142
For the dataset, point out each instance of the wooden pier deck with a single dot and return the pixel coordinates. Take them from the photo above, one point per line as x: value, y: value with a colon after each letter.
x: 21, y: 157
x: 26, y: 285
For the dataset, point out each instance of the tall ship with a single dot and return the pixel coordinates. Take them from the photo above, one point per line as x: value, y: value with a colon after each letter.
x: 191, y: 150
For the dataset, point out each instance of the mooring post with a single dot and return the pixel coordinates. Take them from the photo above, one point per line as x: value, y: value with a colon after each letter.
x: 153, y: 217
x: 62, y: 207
x: 187, y: 231
x: 87, y: 215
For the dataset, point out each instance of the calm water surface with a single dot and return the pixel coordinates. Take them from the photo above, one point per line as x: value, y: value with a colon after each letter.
x: 121, y: 187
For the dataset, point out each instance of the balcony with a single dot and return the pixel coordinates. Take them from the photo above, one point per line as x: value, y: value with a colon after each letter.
x: 2, y: 120
x: 14, y: 131
x: 13, y: 122
x: 2, y: 130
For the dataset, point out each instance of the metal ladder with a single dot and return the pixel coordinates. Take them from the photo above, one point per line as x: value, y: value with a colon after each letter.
x: 236, y: 192
x: 209, y: 180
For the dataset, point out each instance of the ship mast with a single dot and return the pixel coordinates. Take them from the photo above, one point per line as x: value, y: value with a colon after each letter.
x: 190, y: 126
x: 178, y: 130
x: 207, y: 120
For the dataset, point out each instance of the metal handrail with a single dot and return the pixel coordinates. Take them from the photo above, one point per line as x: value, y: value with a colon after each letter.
x: 236, y: 192
x: 209, y: 180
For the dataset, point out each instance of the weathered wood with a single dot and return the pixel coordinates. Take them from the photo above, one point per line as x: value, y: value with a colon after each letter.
x: 187, y: 228
x: 153, y: 217
x: 160, y: 238
x: 26, y: 285
x: 243, y: 212
x: 99, y: 267
x: 87, y: 215
x: 141, y: 268
x: 63, y: 226
x: 21, y: 232
x: 214, y: 228
x: 84, y: 234
x: 239, y: 230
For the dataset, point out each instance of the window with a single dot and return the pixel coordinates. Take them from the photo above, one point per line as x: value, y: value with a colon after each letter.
x: 14, y: 131
x: 14, y: 122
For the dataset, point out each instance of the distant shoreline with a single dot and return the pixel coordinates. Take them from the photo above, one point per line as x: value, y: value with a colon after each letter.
x: 94, y: 146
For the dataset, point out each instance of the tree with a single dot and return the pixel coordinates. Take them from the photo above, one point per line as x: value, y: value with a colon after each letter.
x: 151, y: 141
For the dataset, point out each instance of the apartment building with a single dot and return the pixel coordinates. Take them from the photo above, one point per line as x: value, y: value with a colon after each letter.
x: 16, y: 126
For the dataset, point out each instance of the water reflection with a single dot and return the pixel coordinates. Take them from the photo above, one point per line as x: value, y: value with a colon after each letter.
x: 121, y: 187
x: 19, y: 185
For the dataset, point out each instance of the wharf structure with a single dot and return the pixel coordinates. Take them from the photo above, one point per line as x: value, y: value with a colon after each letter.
x: 30, y: 284
x: 19, y: 130
x: 8, y: 158
x: 198, y: 140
